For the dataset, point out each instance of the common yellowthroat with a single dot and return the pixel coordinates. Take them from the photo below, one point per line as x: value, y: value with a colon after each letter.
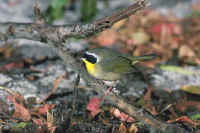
x: 107, y: 64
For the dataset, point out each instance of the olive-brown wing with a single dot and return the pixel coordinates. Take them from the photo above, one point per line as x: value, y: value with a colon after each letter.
x: 118, y: 64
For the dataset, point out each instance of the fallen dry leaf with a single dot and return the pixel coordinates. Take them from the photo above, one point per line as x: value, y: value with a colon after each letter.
x: 20, y: 111
x: 7, y: 50
x: 93, y: 106
x: 122, y: 128
x: 39, y: 122
x: 184, y: 104
x: 158, y: 28
x: 183, y: 119
x: 186, y: 51
x: 11, y: 66
x: 140, y: 37
x: 45, y: 108
x: 122, y: 116
x: 119, y: 24
x: 107, y: 38
x: 132, y: 129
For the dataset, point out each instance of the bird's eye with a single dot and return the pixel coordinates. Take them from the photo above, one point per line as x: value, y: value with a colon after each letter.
x: 91, y: 58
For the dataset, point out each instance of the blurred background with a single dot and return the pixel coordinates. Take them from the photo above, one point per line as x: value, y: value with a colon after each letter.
x: 85, y: 10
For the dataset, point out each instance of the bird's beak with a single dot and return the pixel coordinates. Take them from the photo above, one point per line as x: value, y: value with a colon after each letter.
x: 83, y: 59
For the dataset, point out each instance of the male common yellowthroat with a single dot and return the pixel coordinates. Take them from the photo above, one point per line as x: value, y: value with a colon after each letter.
x: 107, y: 64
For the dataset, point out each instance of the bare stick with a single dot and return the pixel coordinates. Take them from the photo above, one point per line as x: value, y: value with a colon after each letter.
x: 42, y: 31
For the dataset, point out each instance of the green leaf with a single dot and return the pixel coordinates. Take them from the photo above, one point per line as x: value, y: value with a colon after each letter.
x: 191, y: 89
x: 56, y: 10
x: 178, y: 70
x: 19, y: 127
x: 58, y: 3
x: 88, y: 10
x: 195, y: 117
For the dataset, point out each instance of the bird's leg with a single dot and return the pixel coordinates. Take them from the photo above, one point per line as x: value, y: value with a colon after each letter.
x: 109, y: 89
x: 76, y: 83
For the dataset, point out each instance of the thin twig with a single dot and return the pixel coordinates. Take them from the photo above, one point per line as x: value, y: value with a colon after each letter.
x: 107, y: 22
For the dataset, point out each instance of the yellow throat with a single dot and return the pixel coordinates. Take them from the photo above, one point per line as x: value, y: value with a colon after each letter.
x: 89, y: 67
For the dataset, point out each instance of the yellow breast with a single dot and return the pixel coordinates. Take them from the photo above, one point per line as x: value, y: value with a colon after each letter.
x: 89, y: 67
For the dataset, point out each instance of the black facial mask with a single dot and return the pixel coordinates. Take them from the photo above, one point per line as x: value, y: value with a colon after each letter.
x: 92, y: 59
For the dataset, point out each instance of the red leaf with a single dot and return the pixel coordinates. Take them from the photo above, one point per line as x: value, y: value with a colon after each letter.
x: 107, y: 38
x: 39, y: 122
x: 11, y: 66
x: 158, y: 28
x: 20, y: 111
x: 43, y: 110
x: 93, y: 106
x: 183, y: 105
x: 122, y: 128
x: 184, y: 119
x: 122, y: 116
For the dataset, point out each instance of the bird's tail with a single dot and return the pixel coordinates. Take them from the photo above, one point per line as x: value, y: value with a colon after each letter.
x: 147, y: 57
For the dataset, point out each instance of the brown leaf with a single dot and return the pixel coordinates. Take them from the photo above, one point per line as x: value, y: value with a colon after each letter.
x: 119, y: 24
x: 20, y: 111
x: 140, y: 37
x: 122, y: 116
x: 183, y: 119
x: 45, y: 108
x: 122, y: 128
x: 184, y: 104
x: 107, y: 38
x: 132, y: 129
x: 186, y: 51
x: 6, y: 50
x: 38, y: 122
x: 11, y: 66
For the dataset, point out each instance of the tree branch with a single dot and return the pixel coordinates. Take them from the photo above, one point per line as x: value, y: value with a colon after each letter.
x: 42, y: 31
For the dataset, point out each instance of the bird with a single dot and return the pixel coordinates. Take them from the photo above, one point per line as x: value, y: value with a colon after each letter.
x: 110, y: 65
